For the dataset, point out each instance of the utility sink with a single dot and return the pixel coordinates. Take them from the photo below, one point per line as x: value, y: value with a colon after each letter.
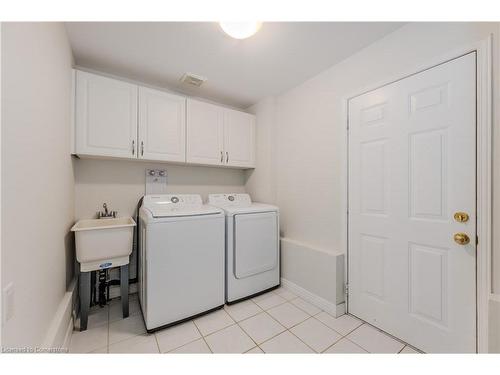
x: 103, y: 243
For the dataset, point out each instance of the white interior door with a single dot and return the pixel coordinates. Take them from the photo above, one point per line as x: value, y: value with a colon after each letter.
x: 162, y: 126
x: 106, y: 116
x: 412, y: 166
x: 205, y: 128
x: 239, y: 138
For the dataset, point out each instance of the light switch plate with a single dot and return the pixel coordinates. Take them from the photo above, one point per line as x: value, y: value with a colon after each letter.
x: 7, y: 303
x: 156, y: 181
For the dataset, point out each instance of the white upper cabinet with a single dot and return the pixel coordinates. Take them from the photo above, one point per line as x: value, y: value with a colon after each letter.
x: 239, y: 138
x: 162, y: 126
x: 205, y: 137
x: 106, y: 116
x: 219, y: 136
x: 118, y: 119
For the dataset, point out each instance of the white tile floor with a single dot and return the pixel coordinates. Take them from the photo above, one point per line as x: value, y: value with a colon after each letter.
x: 275, y: 322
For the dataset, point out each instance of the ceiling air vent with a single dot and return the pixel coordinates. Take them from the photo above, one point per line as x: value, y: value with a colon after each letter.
x: 193, y: 79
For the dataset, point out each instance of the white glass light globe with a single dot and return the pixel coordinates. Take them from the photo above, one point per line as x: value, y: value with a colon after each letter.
x: 240, y: 30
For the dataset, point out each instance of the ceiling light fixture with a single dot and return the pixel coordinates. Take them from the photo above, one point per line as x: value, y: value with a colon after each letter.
x: 240, y: 30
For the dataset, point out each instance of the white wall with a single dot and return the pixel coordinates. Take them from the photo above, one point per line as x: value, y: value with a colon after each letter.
x: 121, y: 183
x: 308, y: 144
x: 261, y: 181
x: 37, y: 176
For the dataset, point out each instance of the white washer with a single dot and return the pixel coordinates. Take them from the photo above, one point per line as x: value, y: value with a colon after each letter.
x: 181, y: 269
x: 252, y: 245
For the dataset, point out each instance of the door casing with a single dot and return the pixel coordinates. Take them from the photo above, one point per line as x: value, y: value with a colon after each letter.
x: 483, y: 49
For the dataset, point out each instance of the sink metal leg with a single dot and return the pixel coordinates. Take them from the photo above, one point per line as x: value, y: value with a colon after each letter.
x: 124, y: 289
x: 84, y: 299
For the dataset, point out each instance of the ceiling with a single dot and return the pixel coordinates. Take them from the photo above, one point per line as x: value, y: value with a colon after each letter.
x: 239, y: 72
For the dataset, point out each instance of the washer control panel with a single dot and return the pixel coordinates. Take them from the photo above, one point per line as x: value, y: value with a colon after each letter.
x: 173, y: 199
x: 229, y: 200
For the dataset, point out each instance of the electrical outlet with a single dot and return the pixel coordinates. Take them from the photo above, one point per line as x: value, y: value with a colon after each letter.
x: 7, y: 303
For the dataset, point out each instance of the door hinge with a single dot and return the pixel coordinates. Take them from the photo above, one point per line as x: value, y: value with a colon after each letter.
x: 346, y: 289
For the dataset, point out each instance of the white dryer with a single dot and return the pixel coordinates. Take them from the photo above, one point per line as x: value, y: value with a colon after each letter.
x: 252, y: 245
x: 181, y: 269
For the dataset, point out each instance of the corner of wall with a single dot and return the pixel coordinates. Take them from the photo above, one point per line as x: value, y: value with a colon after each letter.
x: 260, y: 182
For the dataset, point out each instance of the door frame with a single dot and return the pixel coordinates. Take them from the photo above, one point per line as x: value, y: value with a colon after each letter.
x: 484, y: 175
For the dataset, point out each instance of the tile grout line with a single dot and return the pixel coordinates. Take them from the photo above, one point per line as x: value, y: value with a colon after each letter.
x: 298, y: 338
x: 289, y: 329
x: 383, y: 332
x: 355, y: 329
x: 334, y: 330
x: 279, y: 304
x: 296, y: 324
x: 157, y: 343
x: 248, y: 317
x: 286, y: 329
x: 272, y: 337
x: 345, y: 338
x: 187, y: 343
x: 203, y: 337
x: 127, y: 338
x: 312, y: 317
x: 246, y: 333
x: 291, y: 301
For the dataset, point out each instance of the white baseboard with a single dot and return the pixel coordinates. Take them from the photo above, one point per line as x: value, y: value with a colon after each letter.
x: 329, y: 307
x: 69, y: 331
x: 59, y: 332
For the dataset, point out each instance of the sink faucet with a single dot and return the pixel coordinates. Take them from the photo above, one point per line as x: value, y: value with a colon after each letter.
x: 106, y: 214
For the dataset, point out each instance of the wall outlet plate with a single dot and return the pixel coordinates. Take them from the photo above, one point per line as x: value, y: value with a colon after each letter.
x: 156, y: 181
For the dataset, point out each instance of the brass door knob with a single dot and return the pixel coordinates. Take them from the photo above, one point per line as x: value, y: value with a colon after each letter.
x: 461, y: 217
x: 461, y: 238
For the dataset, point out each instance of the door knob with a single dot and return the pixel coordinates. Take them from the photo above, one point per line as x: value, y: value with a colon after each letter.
x: 461, y: 217
x: 461, y: 238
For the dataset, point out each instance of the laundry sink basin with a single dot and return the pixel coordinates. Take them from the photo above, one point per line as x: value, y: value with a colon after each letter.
x: 103, y: 243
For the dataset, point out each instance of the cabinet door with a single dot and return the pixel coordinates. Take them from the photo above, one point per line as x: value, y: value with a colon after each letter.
x: 204, y: 133
x: 162, y: 126
x: 106, y: 116
x: 239, y: 138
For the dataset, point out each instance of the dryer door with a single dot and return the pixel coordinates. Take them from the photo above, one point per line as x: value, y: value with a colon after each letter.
x: 255, y: 245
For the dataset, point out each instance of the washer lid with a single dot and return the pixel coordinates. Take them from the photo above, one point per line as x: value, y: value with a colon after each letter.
x: 168, y: 205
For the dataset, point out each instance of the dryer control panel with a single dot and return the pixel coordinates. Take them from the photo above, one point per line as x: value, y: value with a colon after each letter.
x: 229, y: 200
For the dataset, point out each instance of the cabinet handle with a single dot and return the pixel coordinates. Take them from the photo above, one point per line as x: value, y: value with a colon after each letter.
x: 142, y: 148
x: 221, y: 157
x: 133, y: 147
x: 227, y: 157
